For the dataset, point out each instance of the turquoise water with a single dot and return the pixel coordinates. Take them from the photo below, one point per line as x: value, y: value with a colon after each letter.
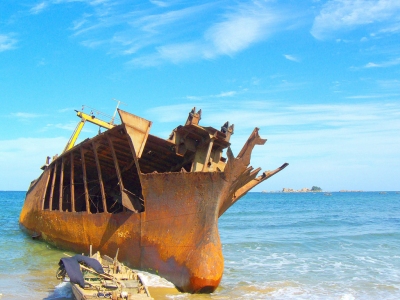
x: 276, y: 246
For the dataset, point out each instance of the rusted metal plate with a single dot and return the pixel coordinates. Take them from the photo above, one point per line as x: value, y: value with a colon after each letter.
x: 180, y: 228
x: 137, y: 128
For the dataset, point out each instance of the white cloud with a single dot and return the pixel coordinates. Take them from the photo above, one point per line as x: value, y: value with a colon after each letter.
x: 159, y: 3
x: 373, y: 96
x: 393, y: 84
x: 170, y: 113
x: 153, y: 23
x: 216, y: 96
x: 226, y: 94
x: 41, y: 62
x: 150, y: 60
x: 68, y: 109
x: 133, y: 30
x: 344, y: 15
x: 291, y: 57
x: 385, y: 64
x: 78, y: 24
x: 245, y: 26
x: 182, y: 52
x: 392, y: 28
x: 23, y: 115
x: 7, y: 42
x: 38, y: 8
x: 94, y: 2
x: 93, y: 43
x: 166, y: 34
x: 240, y: 29
x: 70, y: 127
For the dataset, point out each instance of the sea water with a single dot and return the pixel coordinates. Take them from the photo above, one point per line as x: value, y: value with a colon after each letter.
x: 276, y: 246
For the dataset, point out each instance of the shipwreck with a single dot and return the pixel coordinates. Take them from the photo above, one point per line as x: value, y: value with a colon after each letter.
x: 156, y: 200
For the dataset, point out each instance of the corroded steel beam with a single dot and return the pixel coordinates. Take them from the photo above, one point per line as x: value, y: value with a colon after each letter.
x: 85, y: 185
x: 72, y: 184
x: 103, y: 193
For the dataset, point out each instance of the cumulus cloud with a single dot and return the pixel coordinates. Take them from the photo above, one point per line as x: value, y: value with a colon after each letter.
x: 344, y: 15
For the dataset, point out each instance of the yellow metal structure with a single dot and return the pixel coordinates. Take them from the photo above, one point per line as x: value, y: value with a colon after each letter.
x: 85, y: 117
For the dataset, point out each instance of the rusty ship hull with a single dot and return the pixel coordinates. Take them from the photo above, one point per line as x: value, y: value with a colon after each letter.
x: 157, y: 201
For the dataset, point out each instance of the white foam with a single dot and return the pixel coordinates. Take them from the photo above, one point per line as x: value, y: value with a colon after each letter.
x: 62, y: 290
x: 347, y: 297
x: 154, y: 280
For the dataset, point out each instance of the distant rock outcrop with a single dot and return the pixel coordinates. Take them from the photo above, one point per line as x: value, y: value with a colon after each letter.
x: 303, y: 190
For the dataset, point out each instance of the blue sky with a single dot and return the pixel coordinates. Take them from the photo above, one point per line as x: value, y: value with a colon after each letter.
x: 321, y: 79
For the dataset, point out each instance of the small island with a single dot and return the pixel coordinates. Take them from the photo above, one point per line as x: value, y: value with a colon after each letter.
x: 303, y: 190
x: 314, y: 189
